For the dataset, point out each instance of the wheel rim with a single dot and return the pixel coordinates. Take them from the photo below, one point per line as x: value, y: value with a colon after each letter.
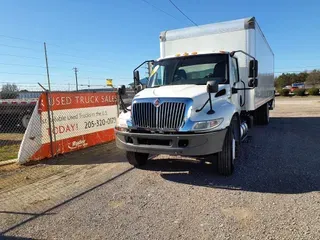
x: 25, y: 120
x: 267, y: 112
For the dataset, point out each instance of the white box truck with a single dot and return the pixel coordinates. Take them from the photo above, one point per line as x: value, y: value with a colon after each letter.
x: 209, y: 85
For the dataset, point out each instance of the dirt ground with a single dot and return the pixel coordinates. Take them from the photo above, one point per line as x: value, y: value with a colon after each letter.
x: 95, y: 193
x: 297, y: 107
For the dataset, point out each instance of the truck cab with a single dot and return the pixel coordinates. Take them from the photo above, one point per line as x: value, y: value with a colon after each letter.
x: 196, y: 103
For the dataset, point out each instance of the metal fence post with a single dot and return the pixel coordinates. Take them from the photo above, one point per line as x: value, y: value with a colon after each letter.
x: 49, y: 121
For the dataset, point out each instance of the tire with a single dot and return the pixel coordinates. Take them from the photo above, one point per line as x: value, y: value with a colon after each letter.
x: 24, y: 120
x: 262, y: 115
x: 229, y: 153
x: 137, y: 159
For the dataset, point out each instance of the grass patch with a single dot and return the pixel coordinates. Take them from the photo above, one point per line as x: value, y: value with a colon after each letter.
x: 9, y: 152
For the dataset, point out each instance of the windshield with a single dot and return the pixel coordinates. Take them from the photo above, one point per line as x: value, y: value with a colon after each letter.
x: 190, y: 70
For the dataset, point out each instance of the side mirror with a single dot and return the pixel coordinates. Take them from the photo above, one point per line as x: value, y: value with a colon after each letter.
x: 122, y: 90
x: 212, y: 86
x: 253, y: 69
x: 253, y: 82
x: 136, y: 77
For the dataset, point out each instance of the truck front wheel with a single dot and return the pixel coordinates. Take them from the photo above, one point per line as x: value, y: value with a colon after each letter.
x: 137, y: 159
x: 228, y: 154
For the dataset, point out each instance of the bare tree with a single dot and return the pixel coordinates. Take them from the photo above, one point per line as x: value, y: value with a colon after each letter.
x: 313, y: 78
x: 9, y: 91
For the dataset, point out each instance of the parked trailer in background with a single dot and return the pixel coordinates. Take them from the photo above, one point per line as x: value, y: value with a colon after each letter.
x: 209, y: 85
x: 16, y: 112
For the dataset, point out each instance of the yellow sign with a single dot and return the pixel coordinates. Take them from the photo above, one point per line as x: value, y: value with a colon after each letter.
x: 109, y: 82
x: 155, y: 69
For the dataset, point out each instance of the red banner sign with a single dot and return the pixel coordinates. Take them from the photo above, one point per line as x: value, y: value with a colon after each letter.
x: 71, y: 121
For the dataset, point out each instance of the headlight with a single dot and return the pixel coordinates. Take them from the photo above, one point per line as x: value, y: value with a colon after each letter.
x: 207, y: 125
x: 121, y: 125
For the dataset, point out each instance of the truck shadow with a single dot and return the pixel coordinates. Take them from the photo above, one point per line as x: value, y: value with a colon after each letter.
x: 282, y: 157
x: 99, y: 154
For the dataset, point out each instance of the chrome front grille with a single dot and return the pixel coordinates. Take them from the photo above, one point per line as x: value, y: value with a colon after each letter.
x: 168, y: 115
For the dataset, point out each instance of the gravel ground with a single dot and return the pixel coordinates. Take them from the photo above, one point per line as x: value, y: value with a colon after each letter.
x: 273, y: 194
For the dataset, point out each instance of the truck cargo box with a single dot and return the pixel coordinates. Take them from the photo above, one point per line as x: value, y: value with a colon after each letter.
x: 243, y: 34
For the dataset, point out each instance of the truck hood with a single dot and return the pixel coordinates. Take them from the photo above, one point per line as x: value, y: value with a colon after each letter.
x: 196, y: 92
x: 173, y: 91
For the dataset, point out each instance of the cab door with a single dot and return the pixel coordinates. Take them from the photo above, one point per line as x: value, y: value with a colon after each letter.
x: 235, y: 82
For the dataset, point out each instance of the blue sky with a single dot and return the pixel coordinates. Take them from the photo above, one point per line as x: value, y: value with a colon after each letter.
x: 107, y: 39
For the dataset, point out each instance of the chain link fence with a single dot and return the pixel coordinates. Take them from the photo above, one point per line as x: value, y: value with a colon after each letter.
x: 16, y: 107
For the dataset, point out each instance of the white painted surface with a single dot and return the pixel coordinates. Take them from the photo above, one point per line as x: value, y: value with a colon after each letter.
x: 228, y: 36
x: 79, y: 121
x: 32, y: 138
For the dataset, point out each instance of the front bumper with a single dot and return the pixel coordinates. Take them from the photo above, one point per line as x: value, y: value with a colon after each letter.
x: 197, y: 144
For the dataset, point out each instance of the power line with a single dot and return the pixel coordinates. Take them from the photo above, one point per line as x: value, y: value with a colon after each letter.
x: 10, y: 46
x: 61, y: 75
x: 74, y: 63
x: 36, y: 66
x: 159, y: 9
x: 30, y: 40
x: 183, y: 13
x: 22, y: 39
x: 91, y: 66
x: 19, y: 56
x: 23, y: 73
x: 21, y: 65
x: 53, y: 84
x: 51, y: 53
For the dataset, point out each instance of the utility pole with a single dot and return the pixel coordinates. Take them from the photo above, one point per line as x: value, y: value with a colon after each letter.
x: 146, y: 71
x: 150, y: 68
x: 50, y: 112
x: 76, y: 75
x: 47, y: 66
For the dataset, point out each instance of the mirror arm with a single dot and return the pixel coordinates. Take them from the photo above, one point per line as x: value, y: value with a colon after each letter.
x: 134, y: 84
x: 247, y: 54
x: 211, y: 111
x: 240, y: 51
x: 142, y: 64
x: 125, y: 109
x: 200, y: 109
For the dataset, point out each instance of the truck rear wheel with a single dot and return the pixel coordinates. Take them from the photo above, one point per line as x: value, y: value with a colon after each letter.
x: 228, y: 154
x: 261, y: 115
x: 137, y: 159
